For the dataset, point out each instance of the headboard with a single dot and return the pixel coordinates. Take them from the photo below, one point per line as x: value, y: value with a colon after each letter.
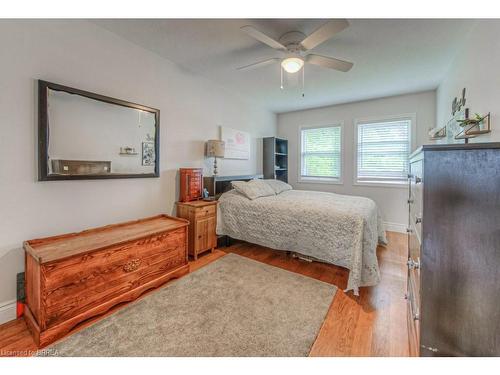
x: 220, y: 184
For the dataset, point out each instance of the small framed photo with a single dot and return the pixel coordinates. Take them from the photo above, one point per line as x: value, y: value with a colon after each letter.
x: 148, y: 153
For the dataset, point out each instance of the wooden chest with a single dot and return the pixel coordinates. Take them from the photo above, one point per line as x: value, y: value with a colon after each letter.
x: 73, y: 277
x: 202, y: 216
x: 191, y: 181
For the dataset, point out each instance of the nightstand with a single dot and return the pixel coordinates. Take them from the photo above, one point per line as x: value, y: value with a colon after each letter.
x: 202, y: 216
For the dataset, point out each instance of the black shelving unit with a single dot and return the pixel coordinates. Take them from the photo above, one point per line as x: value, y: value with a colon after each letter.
x: 275, y: 161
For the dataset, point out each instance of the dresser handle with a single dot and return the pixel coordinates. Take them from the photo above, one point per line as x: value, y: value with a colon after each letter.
x: 418, y: 220
x: 132, y: 265
x: 413, y: 264
x: 409, y: 230
x: 418, y: 180
x: 410, y: 201
x: 410, y: 176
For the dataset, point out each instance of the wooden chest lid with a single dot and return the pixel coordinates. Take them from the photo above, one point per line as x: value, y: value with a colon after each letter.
x: 58, y: 247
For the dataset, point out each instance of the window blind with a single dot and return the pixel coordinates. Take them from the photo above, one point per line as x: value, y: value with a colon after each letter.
x: 321, y: 152
x: 383, y: 149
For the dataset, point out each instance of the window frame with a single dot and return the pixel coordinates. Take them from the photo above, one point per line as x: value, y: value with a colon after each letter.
x: 321, y: 180
x: 412, y: 117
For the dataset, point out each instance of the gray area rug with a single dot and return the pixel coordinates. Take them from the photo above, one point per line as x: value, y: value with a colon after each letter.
x: 234, y: 306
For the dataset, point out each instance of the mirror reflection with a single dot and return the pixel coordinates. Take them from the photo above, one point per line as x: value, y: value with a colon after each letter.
x: 91, y: 137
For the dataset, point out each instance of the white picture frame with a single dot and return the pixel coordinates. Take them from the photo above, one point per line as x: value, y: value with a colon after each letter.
x: 237, y: 143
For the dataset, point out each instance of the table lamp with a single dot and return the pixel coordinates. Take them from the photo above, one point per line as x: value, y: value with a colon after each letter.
x: 215, y: 149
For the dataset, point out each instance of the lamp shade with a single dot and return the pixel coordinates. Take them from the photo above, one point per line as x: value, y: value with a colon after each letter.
x: 215, y: 148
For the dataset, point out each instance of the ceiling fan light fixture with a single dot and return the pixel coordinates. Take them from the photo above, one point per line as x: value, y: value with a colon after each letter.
x: 292, y: 64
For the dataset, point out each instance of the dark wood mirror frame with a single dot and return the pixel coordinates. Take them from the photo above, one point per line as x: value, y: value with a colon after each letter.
x: 43, y: 133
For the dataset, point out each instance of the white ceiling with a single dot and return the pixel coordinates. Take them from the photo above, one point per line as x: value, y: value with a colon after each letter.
x: 391, y: 57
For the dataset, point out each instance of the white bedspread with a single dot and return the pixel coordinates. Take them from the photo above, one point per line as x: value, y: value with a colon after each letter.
x: 337, y: 229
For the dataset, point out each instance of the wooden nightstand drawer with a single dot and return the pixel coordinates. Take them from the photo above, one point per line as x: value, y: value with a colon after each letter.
x: 207, y: 211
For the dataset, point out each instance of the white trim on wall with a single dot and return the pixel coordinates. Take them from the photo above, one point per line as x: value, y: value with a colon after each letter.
x: 8, y: 311
x: 412, y: 142
x: 314, y: 180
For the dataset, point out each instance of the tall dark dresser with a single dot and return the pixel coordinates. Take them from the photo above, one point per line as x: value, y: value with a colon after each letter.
x: 454, y: 250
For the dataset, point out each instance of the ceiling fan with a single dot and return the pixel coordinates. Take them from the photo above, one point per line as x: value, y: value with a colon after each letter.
x: 295, y: 45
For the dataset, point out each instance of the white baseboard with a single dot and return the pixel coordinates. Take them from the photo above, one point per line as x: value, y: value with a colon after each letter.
x: 7, y: 311
x: 395, y: 227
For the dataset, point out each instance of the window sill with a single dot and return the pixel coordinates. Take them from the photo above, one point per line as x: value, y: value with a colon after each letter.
x: 313, y: 180
x: 392, y: 184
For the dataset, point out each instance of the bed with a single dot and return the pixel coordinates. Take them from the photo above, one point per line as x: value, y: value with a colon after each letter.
x: 333, y: 228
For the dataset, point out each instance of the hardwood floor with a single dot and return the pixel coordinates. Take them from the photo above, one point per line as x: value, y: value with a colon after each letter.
x: 373, y: 324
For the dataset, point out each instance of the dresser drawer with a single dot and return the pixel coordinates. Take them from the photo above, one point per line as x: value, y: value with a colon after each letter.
x: 416, y: 182
x: 415, y: 218
x: 416, y: 204
x: 413, y: 294
x: 414, y: 291
x: 413, y: 246
x: 413, y: 332
x: 74, y: 285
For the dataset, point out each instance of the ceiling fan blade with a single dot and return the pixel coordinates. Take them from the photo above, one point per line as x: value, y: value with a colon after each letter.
x: 325, y: 32
x: 261, y: 37
x: 259, y: 64
x: 329, y: 62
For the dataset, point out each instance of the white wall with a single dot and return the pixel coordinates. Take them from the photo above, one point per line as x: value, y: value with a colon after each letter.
x: 476, y: 67
x: 82, y: 55
x: 391, y: 200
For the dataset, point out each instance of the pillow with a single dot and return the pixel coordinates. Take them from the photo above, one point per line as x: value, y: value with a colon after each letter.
x: 253, y: 189
x: 278, y: 186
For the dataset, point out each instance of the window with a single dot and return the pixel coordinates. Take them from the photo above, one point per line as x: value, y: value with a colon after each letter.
x: 383, y: 149
x: 321, y: 153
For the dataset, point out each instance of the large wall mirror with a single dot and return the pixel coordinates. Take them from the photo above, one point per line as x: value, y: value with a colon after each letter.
x: 82, y: 135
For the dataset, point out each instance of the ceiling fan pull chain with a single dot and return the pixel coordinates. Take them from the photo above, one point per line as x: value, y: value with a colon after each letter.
x: 303, y: 79
x: 281, y: 70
